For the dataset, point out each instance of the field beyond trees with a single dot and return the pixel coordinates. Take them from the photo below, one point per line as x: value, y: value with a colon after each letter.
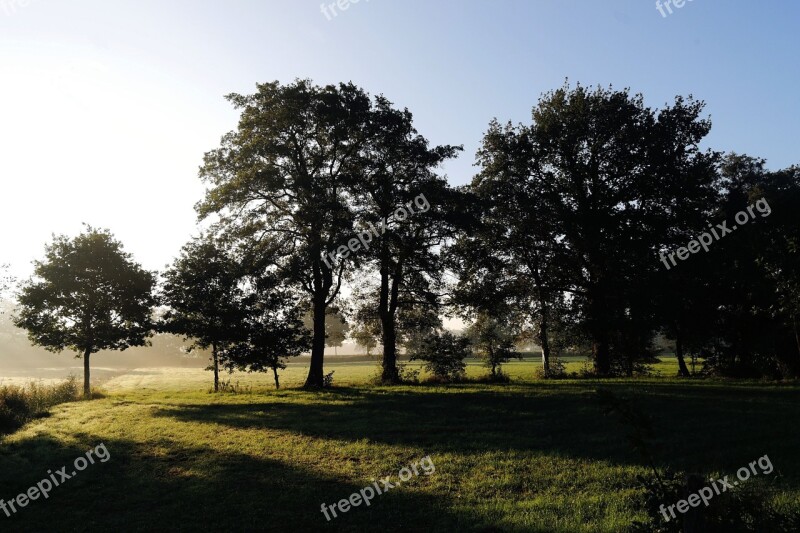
x: 531, y: 455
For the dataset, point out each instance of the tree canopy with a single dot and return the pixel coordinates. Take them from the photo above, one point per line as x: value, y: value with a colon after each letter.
x: 87, y: 295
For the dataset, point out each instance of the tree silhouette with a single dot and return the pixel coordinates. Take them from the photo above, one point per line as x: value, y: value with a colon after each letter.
x: 274, y: 329
x: 283, y: 181
x: 401, y: 193
x: 87, y: 295
x: 613, y: 177
x: 204, y: 293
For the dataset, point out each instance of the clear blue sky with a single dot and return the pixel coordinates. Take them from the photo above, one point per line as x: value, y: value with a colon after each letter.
x: 106, y: 107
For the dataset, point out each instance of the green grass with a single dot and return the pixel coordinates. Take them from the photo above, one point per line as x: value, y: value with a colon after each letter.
x: 528, y: 456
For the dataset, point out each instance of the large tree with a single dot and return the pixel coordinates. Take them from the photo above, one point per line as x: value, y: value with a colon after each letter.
x: 87, y: 295
x: 618, y: 175
x: 401, y: 193
x: 203, y: 291
x: 511, y: 257
x: 283, y: 180
x: 753, y: 286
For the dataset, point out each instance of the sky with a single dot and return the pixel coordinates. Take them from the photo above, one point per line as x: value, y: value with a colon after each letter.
x: 107, y: 107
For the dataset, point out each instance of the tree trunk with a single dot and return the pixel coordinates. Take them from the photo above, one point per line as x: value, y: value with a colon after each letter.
x: 544, y: 341
x: 277, y: 382
x: 796, y: 366
x: 87, y: 386
x: 215, y: 358
x: 388, y: 307
x: 315, y: 371
x: 389, y: 373
x: 544, y: 325
x: 683, y: 371
x: 629, y: 365
x: 602, y: 355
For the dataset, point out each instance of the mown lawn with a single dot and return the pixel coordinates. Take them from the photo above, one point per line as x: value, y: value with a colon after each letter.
x: 528, y: 456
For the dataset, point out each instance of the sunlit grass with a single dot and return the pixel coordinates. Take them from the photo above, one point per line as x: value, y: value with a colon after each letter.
x: 527, y: 456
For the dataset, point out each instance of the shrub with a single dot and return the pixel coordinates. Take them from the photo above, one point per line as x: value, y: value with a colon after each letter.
x: 558, y: 370
x: 407, y: 375
x: 443, y: 354
x: 19, y: 405
x: 226, y: 387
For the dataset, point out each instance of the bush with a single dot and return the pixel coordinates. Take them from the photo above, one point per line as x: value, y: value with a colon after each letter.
x: 443, y: 354
x: 558, y: 370
x: 407, y: 375
x: 226, y: 387
x: 19, y: 405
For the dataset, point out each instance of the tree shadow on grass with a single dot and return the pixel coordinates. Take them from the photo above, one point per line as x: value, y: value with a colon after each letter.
x: 691, y: 422
x: 163, y: 486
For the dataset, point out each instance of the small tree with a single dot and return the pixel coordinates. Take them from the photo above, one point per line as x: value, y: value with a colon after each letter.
x: 204, y: 294
x: 337, y: 329
x: 87, y: 295
x: 366, y: 330
x: 443, y: 354
x: 493, y: 342
x: 415, y: 323
x: 366, y: 338
x: 275, y: 331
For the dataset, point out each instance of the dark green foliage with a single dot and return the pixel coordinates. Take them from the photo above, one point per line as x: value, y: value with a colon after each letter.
x: 399, y: 172
x: 87, y: 295
x: 415, y: 323
x: 443, y: 354
x: 204, y: 294
x: 579, y: 203
x: 273, y: 329
x: 736, y: 306
x: 282, y: 183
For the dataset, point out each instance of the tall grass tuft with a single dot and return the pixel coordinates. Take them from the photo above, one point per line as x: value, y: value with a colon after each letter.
x: 20, y: 405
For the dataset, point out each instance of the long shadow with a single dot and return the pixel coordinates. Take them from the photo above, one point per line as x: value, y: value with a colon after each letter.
x: 691, y: 422
x: 165, y: 485
x: 198, y: 489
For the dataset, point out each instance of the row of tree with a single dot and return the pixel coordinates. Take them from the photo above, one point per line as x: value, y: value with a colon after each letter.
x: 558, y: 237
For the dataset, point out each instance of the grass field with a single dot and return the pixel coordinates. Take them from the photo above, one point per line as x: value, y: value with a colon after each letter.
x: 527, y: 456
